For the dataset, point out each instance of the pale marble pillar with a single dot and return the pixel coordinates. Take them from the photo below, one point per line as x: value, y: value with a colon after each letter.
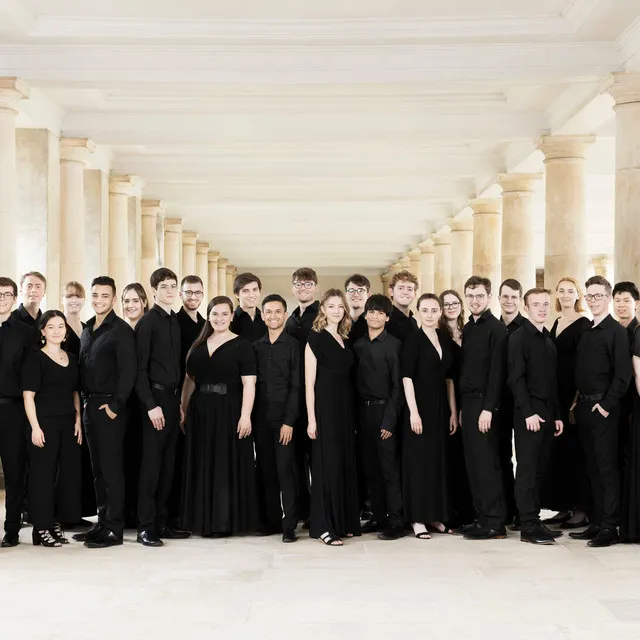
x: 396, y: 267
x: 96, y: 207
x: 405, y: 263
x: 385, y: 277
x: 213, y: 258
x: 74, y: 154
x: 566, y: 214
x: 120, y: 190
x: 230, y: 277
x: 222, y: 278
x: 202, y: 267
x: 602, y: 266
x: 461, y: 252
x: 442, y: 269
x: 626, y: 92
x: 518, y: 236
x: 415, y: 258
x: 173, y: 244
x: 427, y: 267
x: 150, y: 258
x: 135, y: 228
x: 12, y: 90
x: 487, y: 239
x: 189, y: 240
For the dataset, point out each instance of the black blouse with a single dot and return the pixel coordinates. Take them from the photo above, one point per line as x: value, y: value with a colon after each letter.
x: 228, y: 363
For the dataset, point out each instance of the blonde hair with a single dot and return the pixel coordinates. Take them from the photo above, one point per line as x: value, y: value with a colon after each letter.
x: 578, y: 304
x: 74, y: 288
x: 321, y: 322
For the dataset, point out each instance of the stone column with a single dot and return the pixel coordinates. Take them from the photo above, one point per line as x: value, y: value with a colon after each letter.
x: 222, y: 277
x: 385, y: 277
x: 442, y: 269
x: 173, y: 244
x: 230, y: 277
x: 566, y: 216
x: 461, y: 252
x: 135, y: 228
x: 12, y: 90
x: 120, y: 189
x: 202, y: 267
x: 150, y: 257
x: 415, y: 257
x: 396, y: 267
x: 74, y: 153
x: 626, y: 92
x: 487, y: 239
x: 518, y: 237
x: 213, y: 258
x: 405, y: 263
x: 602, y: 266
x: 189, y: 240
x: 427, y: 267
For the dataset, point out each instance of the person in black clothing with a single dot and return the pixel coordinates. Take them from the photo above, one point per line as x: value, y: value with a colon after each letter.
x: 532, y: 366
x: 603, y: 372
x: 107, y: 376
x: 484, y: 341
x: 52, y: 405
x: 17, y: 341
x: 403, y: 288
x: 157, y: 387
x: 510, y: 298
x: 247, y: 320
x: 378, y: 389
x: 357, y: 288
x: 276, y: 410
x: 33, y: 286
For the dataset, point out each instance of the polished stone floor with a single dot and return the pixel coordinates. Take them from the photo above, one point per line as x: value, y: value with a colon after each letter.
x: 257, y: 587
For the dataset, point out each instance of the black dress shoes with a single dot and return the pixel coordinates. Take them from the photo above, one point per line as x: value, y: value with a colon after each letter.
x: 484, y: 533
x: 10, y: 540
x: 588, y: 534
x: 605, y: 538
x: 558, y: 518
x: 104, y: 539
x: 149, y: 538
x: 392, y: 533
x: 289, y: 536
x: 371, y: 526
x: 575, y: 525
x: 460, y: 531
x: 537, y: 535
x: 516, y: 525
x: 554, y: 533
x: 169, y: 533
x: 92, y: 534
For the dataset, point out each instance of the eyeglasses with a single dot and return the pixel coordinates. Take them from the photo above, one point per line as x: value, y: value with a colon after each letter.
x: 450, y: 305
x: 193, y: 294
x: 477, y: 296
x: 6, y: 296
x: 304, y: 285
x: 360, y: 291
x: 594, y: 296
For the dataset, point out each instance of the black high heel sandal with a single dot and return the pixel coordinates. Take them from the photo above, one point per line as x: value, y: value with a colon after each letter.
x: 43, y: 537
x: 58, y: 533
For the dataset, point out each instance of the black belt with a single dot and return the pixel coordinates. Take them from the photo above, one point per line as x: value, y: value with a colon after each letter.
x: 102, y: 396
x: 371, y: 403
x: 594, y: 397
x: 220, y: 388
x: 163, y: 387
x: 10, y: 400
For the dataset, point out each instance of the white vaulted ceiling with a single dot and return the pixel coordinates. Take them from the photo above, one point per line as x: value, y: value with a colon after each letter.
x: 335, y: 134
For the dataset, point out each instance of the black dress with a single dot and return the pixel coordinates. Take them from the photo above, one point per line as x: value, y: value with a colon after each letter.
x: 334, y: 486
x: 424, y: 456
x: 566, y: 486
x: 219, y: 490
x: 55, y: 469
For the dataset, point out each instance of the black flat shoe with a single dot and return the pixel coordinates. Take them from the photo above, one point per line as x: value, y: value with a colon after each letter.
x: 103, y: 540
x: 10, y: 540
x: 149, y: 539
x: 460, y: 531
x: 536, y: 535
x: 484, y: 533
x: 93, y: 533
x: 605, y: 538
x: 392, y: 533
x: 588, y: 534
x: 371, y: 526
x: 554, y: 533
x: 170, y: 533
x: 575, y: 525
x: 289, y: 536
x: 559, y: 518
x: 44, y: 538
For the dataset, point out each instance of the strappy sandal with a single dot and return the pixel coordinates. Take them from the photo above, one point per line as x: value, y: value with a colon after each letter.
x: 330, y: 540
x: 445, y: 531
x: 58, y: 533
x: 423, y: 535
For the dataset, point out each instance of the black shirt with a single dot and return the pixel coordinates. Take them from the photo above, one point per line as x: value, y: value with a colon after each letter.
x: 516, y: 323
x: 17, y: 341
x: 400, y: 326
x: 22, y: 315
x: 245, y: 327
x: 358, y: 329
x: 189, y: 331
x: 52, y: 383
x: 533, y: 362
x: 299, y: 326
x: 378, y: 374
x: 631, y: 328
x: 279, y: 378
x: 484, y: 342
x: 603, y: 362
x: 108, y: 360
x: 158, y: 353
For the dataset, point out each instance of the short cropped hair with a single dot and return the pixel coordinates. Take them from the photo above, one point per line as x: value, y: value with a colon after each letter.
x: 275, y: 297
x: 304, y: 274
x: 478, y: 281
x: 243, y: 279
x: 191, y: 280
x: 8, y: 282
x: 534, y: 291
x: 403, y: 276
x: 599, y: 280
x: 35, y: 274
x: 512, y: 284
x: 160, y: 275
x: 627, y: 287
x: 104, y: 281
x: 74, y: 288
x: 378, y: 302
x: 359, y: 280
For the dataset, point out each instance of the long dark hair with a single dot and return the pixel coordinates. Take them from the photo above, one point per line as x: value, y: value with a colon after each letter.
x: 207, y: 330
x: 443, y: 322
x: 45, y: 317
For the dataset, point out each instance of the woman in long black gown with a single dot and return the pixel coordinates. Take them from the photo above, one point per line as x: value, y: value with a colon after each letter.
x: 219, y: 494
x: 566, y: 487
x: 427, y: 362
x: 329, y: 394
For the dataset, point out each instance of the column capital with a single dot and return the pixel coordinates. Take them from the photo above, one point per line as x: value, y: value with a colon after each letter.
x: 12, y: 90
x: 462, y: 224
x: 222, y: 263
x: 426, y: 246
x: 173, y: 225
x: 481, y: 206
x: 564, y: 147
x: 405, y: 262
x: 443, y: 238
x: 231, y: 268
x: 414, y: 254
x: 137, y: 186
x: 122, y: 185
x: 76, y: 149
x: 189, y: 237
x: 151, y: 208
x: 202, y: 248
x: 214, y: 256
x: 625, y: 88
x: 519, y: 182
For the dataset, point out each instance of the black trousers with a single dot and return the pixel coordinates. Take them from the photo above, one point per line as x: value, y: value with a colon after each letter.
x: 54, y: 486
x: 380, y: 465
x: 482, y: 457
x: 532, y: 451
x: 106, y: 438
x: 277, y: 474
x: 13, y: 455
x: 599, y: 440
x: 302, y: 446
x: 158, y: 462
x: 132, y: 459
x: 505, y: 422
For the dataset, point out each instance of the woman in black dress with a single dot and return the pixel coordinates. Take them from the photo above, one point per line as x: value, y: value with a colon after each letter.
x: 329, y: 360
x: 52, y: 405
x: 427, y: 362
x: 566, y: 487
x: 219, y: 494
x: 452, y: 321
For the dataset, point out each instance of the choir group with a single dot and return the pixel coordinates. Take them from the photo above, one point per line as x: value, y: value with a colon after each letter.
x: 347, y: 416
